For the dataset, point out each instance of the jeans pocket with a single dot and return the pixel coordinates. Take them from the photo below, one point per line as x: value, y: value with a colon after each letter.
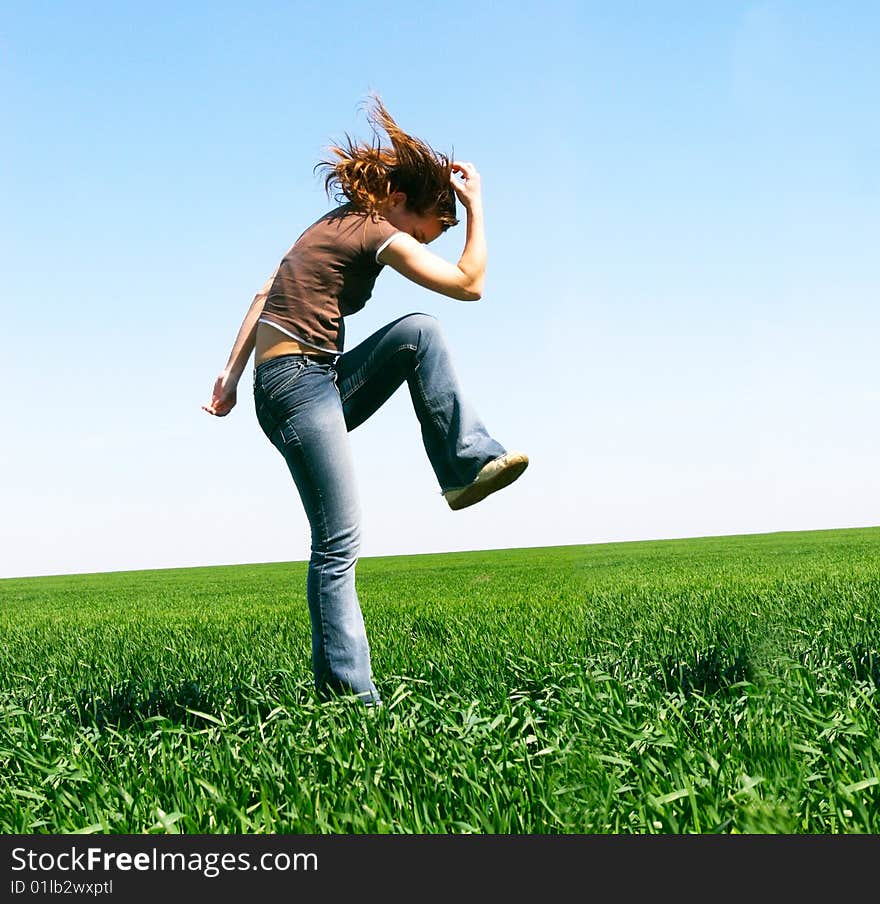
x: 273, y: 398
x: 274, y: 381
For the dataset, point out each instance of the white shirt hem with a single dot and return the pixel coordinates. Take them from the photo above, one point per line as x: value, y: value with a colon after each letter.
x: 326, y: 351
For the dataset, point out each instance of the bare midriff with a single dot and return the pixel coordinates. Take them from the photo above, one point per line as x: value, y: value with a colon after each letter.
x: 270, y: 343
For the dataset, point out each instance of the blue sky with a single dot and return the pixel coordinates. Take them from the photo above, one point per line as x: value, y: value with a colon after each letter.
x: 681, y: 307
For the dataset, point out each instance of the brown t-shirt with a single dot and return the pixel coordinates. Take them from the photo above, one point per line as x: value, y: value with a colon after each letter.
x: 326, y: 275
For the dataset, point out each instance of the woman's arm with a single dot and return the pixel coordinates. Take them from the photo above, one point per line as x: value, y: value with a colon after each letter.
x: 463, y: 281
x: 224, y: 396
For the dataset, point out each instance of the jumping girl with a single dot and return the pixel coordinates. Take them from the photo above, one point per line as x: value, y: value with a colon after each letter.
x: 309, y: 394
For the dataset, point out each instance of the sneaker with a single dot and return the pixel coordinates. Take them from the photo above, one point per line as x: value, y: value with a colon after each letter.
x: 493, y: 476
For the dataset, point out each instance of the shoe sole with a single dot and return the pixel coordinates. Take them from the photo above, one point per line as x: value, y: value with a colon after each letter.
x: 476, y: 492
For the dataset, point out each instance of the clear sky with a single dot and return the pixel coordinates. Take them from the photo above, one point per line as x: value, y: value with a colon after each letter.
x: 680, y: 320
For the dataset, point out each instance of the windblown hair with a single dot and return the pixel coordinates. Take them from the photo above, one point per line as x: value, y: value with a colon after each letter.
x: 367, y: 175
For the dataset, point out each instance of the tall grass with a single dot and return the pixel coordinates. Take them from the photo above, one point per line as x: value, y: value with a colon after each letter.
x: 709, y: 685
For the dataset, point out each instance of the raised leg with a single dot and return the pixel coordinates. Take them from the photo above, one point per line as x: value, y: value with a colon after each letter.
x: 413, y: 350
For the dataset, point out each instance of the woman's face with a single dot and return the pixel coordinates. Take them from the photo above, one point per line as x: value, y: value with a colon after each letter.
x: 423, y: 227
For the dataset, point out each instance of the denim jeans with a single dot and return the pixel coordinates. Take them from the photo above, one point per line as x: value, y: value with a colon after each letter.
x: 306, y: 407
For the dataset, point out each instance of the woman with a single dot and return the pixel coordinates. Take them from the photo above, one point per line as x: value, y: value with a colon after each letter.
x: 308, y: 393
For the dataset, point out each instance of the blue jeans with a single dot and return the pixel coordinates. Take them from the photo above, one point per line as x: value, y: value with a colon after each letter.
x: 306, y: 406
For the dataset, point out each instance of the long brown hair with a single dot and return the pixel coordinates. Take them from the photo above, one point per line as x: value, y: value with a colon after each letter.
x: 367, y: 175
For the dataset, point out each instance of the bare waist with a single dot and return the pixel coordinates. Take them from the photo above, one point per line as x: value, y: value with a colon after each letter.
x: 272, y: 341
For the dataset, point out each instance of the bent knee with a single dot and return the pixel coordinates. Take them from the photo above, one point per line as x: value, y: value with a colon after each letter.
x: 420, y: 329
x: 420, y: 321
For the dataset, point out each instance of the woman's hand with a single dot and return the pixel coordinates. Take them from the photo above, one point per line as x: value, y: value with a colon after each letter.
x: 223, y: 398
x: 468, y: 186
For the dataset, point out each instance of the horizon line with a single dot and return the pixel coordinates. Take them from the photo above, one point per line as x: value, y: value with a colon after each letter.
x: 675, y: 539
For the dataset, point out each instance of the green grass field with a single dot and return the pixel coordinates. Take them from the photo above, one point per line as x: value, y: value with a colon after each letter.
x: 707, y: 685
